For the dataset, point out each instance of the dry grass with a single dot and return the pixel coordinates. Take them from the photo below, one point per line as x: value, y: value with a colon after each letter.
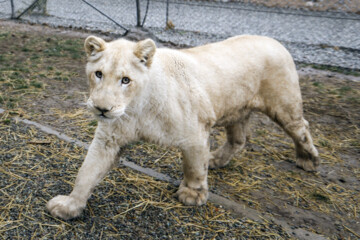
x: 36, y: 167
x: 43, y: 80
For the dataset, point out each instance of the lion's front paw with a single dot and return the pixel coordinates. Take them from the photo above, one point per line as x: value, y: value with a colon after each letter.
x: 65, y: 207
x: 190, y: 196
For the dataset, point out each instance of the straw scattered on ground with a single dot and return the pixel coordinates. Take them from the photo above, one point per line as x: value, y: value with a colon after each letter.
x: 36, y: 167
x: 42, y: 79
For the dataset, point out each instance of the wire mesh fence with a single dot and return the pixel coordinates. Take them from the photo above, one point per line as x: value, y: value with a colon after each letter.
x: 130, y: 13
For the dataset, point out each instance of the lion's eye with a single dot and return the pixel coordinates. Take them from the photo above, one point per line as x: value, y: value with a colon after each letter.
x: 125, y: 80
x: 98, y: 74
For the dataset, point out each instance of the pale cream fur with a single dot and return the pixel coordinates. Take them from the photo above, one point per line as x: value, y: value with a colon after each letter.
x: 174, y: 97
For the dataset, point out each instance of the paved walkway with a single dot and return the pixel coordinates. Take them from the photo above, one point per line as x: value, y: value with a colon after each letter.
x: 322, y: 38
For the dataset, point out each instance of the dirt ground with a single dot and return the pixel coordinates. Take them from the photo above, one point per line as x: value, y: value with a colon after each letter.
x: 42, y: 79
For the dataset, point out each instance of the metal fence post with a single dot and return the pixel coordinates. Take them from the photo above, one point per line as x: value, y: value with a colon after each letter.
x: 146, y: 12
x: 12, y: 9
x: 138, y: 20
x: 167, y: 12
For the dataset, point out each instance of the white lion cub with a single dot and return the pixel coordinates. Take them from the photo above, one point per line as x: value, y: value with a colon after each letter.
x: 174, y: 97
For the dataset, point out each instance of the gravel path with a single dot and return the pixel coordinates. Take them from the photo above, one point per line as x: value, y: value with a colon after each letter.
x: 312, y: 37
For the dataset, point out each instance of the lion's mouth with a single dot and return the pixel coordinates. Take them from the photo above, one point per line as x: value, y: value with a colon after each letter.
x: 102, y: 115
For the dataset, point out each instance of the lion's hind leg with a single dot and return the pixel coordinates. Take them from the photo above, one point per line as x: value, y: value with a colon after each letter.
x: 291, y: 120
x: 307, y: 156
x: 237, y: 134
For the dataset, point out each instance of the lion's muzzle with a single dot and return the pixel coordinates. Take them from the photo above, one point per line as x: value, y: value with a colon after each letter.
x: 105, y: 113
x: 102, y: 111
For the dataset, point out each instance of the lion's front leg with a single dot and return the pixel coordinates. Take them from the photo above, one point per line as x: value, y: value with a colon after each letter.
x: 193, y: 189
x: 98, y: 162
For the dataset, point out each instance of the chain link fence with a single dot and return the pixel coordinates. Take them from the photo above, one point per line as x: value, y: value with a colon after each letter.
x: 311, y: 29
x: 134, y: 12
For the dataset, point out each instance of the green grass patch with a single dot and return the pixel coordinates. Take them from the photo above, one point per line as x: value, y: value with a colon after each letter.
x: 320, y: 197
x: 345, y: 71
x: 36, y: 84
x: 61, y: 48
x: 6, y: 121
x: 10, y: 105
x: 355, y: 100
x: 324, y: 143
x: 93, y: 123
x: 344, y: 90
x: 2, y: 58
x: 355, y: 143
x: 318, y: 84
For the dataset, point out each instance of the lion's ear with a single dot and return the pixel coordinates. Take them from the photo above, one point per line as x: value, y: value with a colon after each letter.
x: 145, y: 51
x: 94, y: 45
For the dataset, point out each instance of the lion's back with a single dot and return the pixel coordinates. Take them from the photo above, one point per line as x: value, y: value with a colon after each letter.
x: 231, y: 74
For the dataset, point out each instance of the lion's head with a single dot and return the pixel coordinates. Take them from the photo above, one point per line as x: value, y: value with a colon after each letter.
x: 117, y: 71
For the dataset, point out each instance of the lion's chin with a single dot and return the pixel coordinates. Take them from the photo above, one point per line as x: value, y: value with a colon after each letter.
x: 104, y: 118
x: 108, y: 118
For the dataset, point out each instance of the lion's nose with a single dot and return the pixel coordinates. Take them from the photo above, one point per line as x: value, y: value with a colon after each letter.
x: 102, y: 110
